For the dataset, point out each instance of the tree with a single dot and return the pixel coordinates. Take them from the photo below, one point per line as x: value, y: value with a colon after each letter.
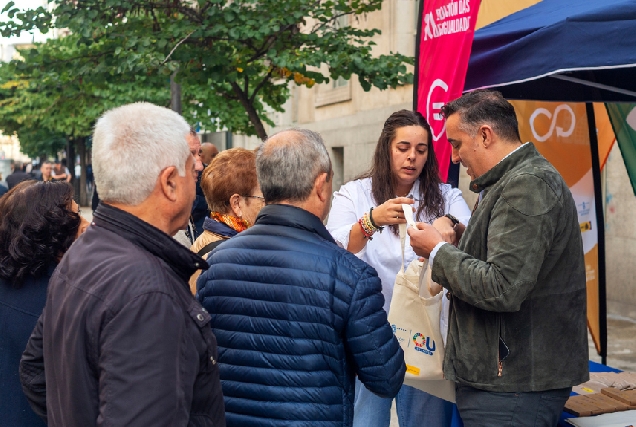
x: 44, y: 102
x: 16, y: 116
x: 234, y: 59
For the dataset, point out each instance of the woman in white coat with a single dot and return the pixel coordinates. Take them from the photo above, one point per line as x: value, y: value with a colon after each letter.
x: 364, y: 219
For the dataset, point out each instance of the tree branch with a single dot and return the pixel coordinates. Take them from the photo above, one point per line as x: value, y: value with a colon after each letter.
x: 176, y: 46
x: 251, y: 111
x: 260, y: 86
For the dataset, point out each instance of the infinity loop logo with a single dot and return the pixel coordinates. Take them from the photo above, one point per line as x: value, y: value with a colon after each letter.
x: 553, y: 125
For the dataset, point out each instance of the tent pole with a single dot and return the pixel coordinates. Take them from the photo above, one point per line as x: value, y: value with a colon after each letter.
x: 418, y: 39
x: 600, y: 221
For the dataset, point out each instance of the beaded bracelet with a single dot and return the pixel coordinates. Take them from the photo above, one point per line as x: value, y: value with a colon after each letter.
x: 367, y: 234
x: 373, y: 222
x: 368, y: 224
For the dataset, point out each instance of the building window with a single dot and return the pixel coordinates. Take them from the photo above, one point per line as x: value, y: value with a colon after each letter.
x: 337, y: 90
x: 339, y: 82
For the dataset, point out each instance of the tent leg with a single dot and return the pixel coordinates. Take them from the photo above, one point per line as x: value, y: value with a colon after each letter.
x: 418, y: 39
x: 600, y: 221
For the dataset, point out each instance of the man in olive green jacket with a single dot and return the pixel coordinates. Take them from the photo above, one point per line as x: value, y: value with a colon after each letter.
x: 517, y: 339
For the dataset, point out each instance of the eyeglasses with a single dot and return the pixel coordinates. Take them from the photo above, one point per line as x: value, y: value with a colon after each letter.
x: 261, y: 198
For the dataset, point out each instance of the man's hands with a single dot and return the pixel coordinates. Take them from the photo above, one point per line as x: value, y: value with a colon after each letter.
x: 426, y: 237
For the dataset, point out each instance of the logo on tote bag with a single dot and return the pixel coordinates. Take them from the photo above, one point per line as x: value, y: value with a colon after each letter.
x: 421, y: 341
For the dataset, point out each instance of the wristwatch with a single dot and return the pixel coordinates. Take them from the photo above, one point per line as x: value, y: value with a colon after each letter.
x: 454, y: 220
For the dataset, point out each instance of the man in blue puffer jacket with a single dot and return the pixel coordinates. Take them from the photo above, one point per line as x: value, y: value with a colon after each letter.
x: 295, y: 316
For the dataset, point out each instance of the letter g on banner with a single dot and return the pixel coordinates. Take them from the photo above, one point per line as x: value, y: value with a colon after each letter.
x: 553, y: 124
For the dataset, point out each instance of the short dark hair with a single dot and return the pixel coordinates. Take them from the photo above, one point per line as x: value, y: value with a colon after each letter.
x: 37, y: 226
x: 485, y: 107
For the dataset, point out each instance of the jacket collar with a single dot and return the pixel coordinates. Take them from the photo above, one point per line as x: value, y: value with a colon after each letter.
x: 292, y: 216
x: 526, y: 151
x: 219, y: 228
x: 179, y: 258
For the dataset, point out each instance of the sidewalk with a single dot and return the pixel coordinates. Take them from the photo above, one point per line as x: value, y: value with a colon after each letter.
x: 621, y: 345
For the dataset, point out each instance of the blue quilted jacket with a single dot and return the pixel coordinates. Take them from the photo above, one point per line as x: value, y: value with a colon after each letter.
x: 296, y: 318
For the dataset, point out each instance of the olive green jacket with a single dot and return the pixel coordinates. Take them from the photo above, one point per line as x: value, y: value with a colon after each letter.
x: 518, y: 274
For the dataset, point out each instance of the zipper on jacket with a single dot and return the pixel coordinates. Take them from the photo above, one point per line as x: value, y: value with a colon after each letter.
x: 503, y: 349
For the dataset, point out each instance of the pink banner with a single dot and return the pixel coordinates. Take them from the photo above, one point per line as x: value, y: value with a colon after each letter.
x: 446, y: 38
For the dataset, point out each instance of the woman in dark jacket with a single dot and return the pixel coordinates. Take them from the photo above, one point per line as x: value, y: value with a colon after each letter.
x: 38, y: 222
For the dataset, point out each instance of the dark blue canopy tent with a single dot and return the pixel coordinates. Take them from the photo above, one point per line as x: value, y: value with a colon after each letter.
x: 559, y: 50
x: 569, y: 51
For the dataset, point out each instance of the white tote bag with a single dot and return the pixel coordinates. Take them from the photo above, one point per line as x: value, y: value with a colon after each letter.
x: 416, y: 324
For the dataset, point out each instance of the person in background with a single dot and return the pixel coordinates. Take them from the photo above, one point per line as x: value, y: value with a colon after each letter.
x: 517, y: 337
x: 61, y: 172
x: 46, y: 171
x: 38, y: 223
x: 295, y: 316
x: 404, y: 171
x: 18, y: 175
x: 122, y: 340
x: 200, y: 209
x: 188, y: 235
x: 208, y: 152
x: 3, y: 189
x: 90, y: 179
x: 235, y: 199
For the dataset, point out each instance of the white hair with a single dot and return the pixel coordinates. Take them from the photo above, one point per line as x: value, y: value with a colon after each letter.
x: 132, y: 144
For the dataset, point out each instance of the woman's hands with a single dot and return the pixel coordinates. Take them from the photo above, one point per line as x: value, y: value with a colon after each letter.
x: 446, y: 228
x: 390, y: 212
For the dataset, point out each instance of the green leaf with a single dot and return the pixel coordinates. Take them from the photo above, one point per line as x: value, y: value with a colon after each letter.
x: 8, y: 6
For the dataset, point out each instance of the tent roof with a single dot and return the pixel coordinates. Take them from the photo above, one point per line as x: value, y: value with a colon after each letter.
x: 559, y: 50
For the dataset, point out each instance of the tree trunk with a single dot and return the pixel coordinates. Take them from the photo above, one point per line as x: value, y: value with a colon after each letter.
x: 70, y: 164
x: 251, y: 112
x: 175, y: 94
x: 81, y: 149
